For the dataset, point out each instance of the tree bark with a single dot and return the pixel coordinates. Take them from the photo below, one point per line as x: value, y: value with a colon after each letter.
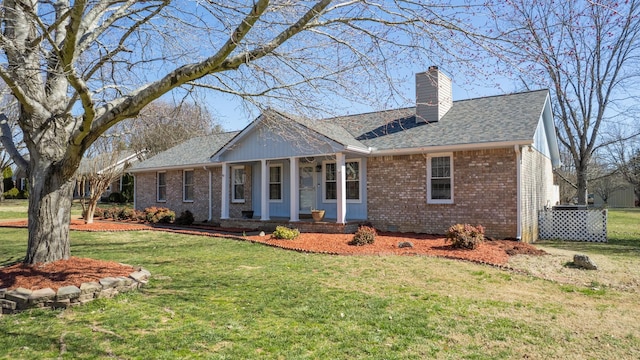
x: 50, y: 200
x: 581, y: 182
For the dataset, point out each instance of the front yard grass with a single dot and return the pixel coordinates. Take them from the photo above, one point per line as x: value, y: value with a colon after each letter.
x: 226, y: 299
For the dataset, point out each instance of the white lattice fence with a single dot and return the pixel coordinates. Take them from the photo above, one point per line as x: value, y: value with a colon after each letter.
x: 576, y: 225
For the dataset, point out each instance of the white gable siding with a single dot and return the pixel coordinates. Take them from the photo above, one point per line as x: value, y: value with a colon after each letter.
x: 540, y: 141
x: 264, y: 143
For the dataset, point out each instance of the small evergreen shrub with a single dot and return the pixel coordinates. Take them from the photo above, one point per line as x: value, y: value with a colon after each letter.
x: 127, y: 213
x: 365, y: 235
x: 465, y: 236
x: 98, y: 212
x: 283, y: 232
x: 116, y: 197
x: 13, y: 193
x: 161, y: 215
x: 185, y: 218
x: 23, y: 194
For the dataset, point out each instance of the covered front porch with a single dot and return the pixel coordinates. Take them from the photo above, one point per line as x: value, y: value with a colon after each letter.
x: 281, y: 168
x: 290, y: 189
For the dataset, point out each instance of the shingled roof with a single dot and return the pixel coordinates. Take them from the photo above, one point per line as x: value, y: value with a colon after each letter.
x: 502, y: 118
x: 195, y: 151
x: 492, y: 119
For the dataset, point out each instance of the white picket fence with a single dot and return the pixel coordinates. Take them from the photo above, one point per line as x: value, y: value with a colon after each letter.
x: 574, y: 225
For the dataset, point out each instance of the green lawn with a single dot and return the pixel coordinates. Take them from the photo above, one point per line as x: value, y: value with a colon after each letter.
x: 226, y: 299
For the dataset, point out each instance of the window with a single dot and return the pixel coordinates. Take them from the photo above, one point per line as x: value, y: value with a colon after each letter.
x: 162, y: 186
x: 275, y: 182
x: 440, y: 179
x: 352, y: 180
x: 187, y: 185
x: 238, y: 179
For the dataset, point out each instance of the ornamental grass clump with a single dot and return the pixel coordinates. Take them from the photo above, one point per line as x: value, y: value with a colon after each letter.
x: 283, y: 232
x: 365, y: 235
x: 465, y: 236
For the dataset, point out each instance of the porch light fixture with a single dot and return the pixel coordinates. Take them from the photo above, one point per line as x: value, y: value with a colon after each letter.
x: 318, y: 168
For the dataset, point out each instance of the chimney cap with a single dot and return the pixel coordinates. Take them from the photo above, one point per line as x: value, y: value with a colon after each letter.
x: 433, y: 67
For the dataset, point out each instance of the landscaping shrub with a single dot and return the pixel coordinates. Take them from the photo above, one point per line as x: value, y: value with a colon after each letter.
x: 185, y: 218
x: 465, y: 236
x: 127, y: 213
x: 283, y: 232
x: 365, y: 235
x: 116, y: 197
x: 98, y: 212
x: 12, y: 194
x: 162, y: 215
x: 23, y: 194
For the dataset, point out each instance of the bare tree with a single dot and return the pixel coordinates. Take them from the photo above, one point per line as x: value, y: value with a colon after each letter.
x: 103, y: 164
x: 78, y: 68
x: 586, y: 52
x: 627, y: 159
x: 162, y: 125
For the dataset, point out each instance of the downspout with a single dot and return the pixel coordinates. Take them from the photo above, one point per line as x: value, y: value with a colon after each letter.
x: 518, y: 191
x: 210, y: 195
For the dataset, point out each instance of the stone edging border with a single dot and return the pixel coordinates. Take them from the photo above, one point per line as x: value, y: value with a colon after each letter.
x: 20, y: 299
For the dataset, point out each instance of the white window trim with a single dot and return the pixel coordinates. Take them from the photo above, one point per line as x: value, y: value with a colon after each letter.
x: 324, y: 182
x: 158, y: 187
x: 233, y: 184
x: 193, y: 185
x: 451, y: 173
x: 281, y: 183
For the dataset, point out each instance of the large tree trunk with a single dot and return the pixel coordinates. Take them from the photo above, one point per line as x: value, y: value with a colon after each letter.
x: 50, y: 197
x: 581, y: 182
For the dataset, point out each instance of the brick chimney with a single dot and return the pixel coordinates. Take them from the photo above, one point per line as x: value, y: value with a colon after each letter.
x: 433, y: 95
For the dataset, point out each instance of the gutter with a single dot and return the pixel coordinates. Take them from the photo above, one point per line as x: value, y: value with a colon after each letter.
x: 451, y: 148
x: 176, y: 167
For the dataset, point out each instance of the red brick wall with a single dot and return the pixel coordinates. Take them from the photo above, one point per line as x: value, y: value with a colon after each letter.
x: 484, y: 193
x: 146, y: 193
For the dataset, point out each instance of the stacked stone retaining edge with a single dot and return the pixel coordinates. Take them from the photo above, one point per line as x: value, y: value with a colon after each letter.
x: 20, y: 299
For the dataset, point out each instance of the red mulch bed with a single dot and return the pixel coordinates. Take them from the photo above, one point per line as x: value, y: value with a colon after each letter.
x: 77, y: 270
x: 73, y: 271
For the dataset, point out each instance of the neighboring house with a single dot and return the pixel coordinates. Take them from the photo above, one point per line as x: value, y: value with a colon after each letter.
x: 485, y: 161
x: 621, y: 198
x: 105, y: 163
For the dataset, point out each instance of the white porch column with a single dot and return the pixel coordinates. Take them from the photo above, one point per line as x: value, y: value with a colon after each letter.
x: 210, y: 194
x: 224, y: 197
x: 341, y: 191
x: 264, y: 185
x: 294, y: 193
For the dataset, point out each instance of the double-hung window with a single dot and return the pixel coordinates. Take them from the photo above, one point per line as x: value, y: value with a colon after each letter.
x: 161, y: 187
x: 352, y: 175
x: 238, y: 178
x: 187, y: 185
x: 440, y: 179
x: 275, y: 183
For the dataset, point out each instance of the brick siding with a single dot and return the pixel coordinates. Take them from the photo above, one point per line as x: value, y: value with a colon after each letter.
x: 146, y: 192
x: 484, y: 193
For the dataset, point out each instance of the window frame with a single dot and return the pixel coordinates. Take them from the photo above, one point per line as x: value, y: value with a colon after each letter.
x: 234, y: 184
x: 280, y: 183
x: 324, y: 181
x: 164, y: 186
x: 184, y: 185
x: 430, y: 157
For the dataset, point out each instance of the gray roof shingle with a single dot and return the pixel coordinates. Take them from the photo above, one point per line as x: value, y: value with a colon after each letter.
x: 194, y: 151
x: 501, y: 118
